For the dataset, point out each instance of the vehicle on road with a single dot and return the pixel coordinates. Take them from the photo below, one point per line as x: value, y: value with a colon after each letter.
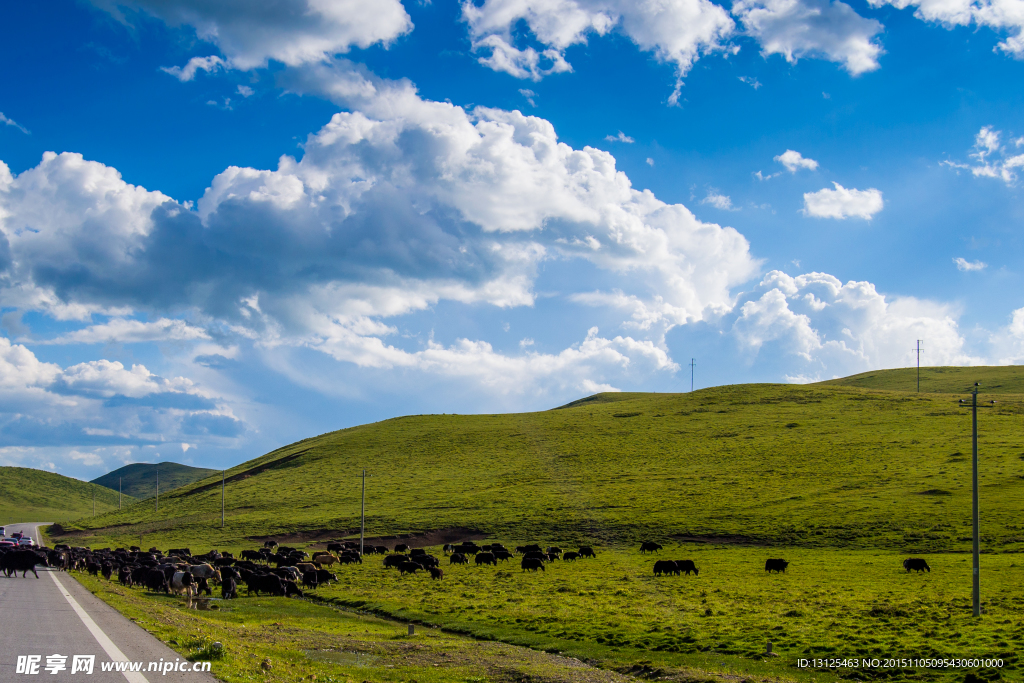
x: 26, y: 540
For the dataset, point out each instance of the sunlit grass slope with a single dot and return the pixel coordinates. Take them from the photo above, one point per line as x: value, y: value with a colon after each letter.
x: 140, y: 479
x: 825, y: 465
x: 28, y: 495
x: 1002, y: 379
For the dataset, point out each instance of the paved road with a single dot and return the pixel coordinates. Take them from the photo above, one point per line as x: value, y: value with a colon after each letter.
x: 55, y: 614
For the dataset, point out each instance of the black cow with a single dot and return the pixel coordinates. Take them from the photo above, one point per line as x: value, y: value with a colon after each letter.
x: 662, y: 567
x: 775, y: 565
x: 535, y: 555
x: 229, y: 588
x: 554, y: 549
x: 436, y: 573
x: 649, y: 547
x: 324, y: 576
x: 502, y: 555
x: 409, y: 568
x: 124, y: 576
x: 587, y: 551
x: 417, y: 551
x: 265, y: 583
x: 917, y: 564
x: 332, y: 547
x: 687, y: 566
x: 309, y: 578
x: 23, y: 561
x: 486, y: 558
x: 551, y: 556
x: 458, y: 558
x: 395, y: 560
x: 156, y: 581
x: 570, y: 556
x: 401, y: 548
x: 532, y: 563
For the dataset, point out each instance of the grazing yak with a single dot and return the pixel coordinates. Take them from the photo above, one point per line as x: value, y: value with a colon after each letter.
x: 775, y: 565
x: 401, y: 548
x: 458, y: 558
x: 21, y: 561
x: 587, y: 551
x: 395, y: 560
x: 570, y: 556
x: 662, y: 567
x: 486, y: 558
x: 409, y: 568
x: 649, y: 547
x: 687, y: 566
x: 532, y: 564
x: 229, y: 588
x: 436, y: 573
x: 182, y: 583
x: 916, y: 564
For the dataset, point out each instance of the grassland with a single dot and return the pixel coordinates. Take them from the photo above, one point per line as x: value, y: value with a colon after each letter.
x: 1002, y: 379
x: 822, y: 466
x: 28, y: 495
x: 139, y: 479
x: 844, y: 481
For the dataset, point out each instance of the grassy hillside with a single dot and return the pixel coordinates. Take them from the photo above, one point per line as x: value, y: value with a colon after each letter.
x: 28, y: 495
x: 139, y: 479
x: 1003, y: 379
x: 825, y: 466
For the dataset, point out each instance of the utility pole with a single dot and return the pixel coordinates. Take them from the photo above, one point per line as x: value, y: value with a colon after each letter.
x: 222, y: 499
x: 976, y: 583
x: 362, y: 516
x: 693, y: 364
x: 918, y: 350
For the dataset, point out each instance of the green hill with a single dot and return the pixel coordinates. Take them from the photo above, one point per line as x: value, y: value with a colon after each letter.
x: 28, y: 495
x: 823, y: 465
x: 1002, y: 379
x: 139, y: 479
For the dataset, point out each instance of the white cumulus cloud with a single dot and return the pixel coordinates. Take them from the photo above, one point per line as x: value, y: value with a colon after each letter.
x: 829, y: 29
x: 837, y: 329
x: 999, y: 15
x: 993, y: 159
x: 843, y: 203
x: 294, y: 32
x: 794, y: 161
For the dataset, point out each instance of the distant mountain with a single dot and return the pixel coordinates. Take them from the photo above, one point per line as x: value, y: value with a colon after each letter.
x: 29, y: 495
x: 139, y: 479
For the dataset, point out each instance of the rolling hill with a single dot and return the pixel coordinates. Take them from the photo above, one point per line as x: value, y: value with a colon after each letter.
x: 139, y: 479
x: 1002, y: 379
x: 827, y: 465
x: 28, y: 495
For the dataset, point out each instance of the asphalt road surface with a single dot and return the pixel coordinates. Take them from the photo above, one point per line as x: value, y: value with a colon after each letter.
x: 56, y: 615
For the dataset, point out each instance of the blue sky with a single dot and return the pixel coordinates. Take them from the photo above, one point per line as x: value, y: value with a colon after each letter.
x: 227, y: 227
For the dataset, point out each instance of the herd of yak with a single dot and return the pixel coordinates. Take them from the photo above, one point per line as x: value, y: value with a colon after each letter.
x: 280, y: 570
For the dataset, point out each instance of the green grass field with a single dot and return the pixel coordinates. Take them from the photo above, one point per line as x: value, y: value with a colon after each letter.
x: 140, y: 479
x: 844, y: 481
x: 28, y: 495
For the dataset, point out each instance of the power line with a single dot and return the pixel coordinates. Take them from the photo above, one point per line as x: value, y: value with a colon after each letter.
x: 693, y: 364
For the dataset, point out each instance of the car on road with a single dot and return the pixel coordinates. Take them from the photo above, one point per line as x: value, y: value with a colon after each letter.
x: 2, y: 532
x: 8, y: 544
x: 26, y: 540
x: 17, y: 534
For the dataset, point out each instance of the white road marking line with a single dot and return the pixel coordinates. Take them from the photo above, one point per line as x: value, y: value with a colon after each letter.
x: 108, y: 645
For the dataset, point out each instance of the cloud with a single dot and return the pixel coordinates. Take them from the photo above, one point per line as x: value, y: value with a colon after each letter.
x: 397, y: 204
x: 966, y: 266
x: 832, y: 329
x: 991, y: 157
x: 293, y: 32
x: 999, y: 15
x: 751, y: 81
x: 194, y: 65
x: 677, y: 31
x: 621, y: 137
x: 99, y: 403
x: 719, y: 201
x: 843, y: 203
x: 812, y: 28
x: 124, y: 331
x: 11, y: 122
x: 794, y: 161
x: 650, y: 161
x: 245, y: 91
x: 529, y: 95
